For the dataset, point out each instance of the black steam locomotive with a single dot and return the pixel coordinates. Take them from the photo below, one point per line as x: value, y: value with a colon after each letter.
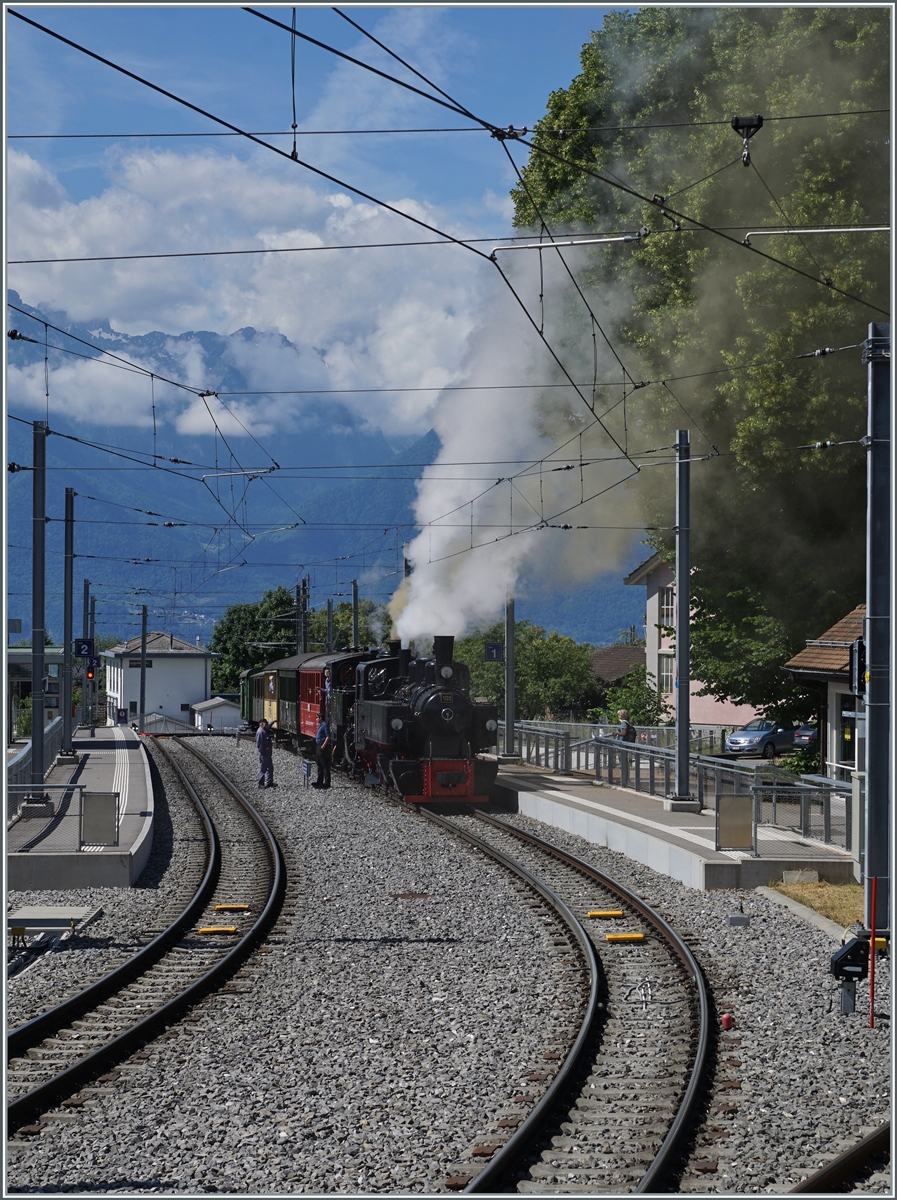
x: 407, y: 723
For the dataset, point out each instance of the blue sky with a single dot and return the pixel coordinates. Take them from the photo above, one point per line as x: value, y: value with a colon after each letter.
x: 500, y: 62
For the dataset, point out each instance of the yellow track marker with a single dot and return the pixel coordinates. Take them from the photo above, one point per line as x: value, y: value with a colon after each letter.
x: 624, y: 937
x: 231, y: 908
x: 606, y: 913
x: 218, y: 929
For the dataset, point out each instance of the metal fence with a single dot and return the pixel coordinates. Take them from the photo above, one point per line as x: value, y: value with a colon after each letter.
x: 703, y: 739
x: 811, y: 808
x: 18, y: 769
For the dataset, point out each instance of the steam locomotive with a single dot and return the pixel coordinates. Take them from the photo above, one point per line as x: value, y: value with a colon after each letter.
x: 407, y: 723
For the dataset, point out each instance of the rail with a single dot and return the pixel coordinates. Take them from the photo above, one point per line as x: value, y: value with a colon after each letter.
x: 23, y: 1108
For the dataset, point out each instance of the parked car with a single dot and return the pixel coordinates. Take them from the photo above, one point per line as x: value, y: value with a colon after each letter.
x: 760, y: 738
x: 807, y: 735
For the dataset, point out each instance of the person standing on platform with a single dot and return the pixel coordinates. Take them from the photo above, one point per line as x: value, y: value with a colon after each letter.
x: 266, y: 755
x: 626, y: 732
x: 322, y: 755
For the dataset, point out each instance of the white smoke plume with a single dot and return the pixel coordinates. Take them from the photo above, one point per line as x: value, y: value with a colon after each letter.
x: 487, y: 528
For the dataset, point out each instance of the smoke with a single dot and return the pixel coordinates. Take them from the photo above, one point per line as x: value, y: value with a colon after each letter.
x: 517, y: 465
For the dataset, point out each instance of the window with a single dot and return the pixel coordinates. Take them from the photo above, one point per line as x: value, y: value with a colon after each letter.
x: 185, y: 708
x: 667, y: 605
x: 132, y: 708
x: 666, y: 664
x: 135, y: 662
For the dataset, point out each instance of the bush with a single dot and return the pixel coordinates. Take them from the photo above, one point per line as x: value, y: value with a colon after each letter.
x: 638, y: 693
x: 801, y: 762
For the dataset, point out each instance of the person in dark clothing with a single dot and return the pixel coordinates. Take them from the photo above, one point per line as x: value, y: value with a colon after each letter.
x: 322, y: 755
x: 266, y: 755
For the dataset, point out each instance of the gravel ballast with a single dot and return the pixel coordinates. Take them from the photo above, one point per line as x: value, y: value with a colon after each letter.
x: 381, y: 1035
x: 378, y: 1037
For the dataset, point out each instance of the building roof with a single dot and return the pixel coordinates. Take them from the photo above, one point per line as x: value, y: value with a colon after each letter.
x: 643, y: 570
x: 612, y: 663
x: 215, y: 702
x: 159, y: 644
x: 829, y: 655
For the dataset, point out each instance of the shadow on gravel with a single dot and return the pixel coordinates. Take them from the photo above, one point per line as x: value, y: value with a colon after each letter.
x: 163, y: 834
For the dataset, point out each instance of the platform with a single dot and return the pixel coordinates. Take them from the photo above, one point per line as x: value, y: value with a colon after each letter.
x: 45, y: 853
x: 678, y: 844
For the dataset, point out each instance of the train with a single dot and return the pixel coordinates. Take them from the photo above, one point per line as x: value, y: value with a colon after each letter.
x: 406, y: 723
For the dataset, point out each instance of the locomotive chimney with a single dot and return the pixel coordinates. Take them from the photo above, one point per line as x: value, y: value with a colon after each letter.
x: 404, y: 660
x: 394, y: 647
x: 443, y: 649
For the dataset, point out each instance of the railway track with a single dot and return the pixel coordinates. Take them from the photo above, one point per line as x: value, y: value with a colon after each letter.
x: 52, y: 1056
x: 617, y: 1112
x: 849, y: 1170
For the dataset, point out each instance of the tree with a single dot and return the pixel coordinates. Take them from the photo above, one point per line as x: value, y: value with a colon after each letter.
x: 374, y: 625
x: 777, y: 526
x: 637, y: 693
x: 552, y: 673
x: 249, y: 636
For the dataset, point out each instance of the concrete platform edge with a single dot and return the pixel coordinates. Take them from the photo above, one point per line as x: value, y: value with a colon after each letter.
x: 832, y: 928
x: 140, y: 851
x: 677, y: 861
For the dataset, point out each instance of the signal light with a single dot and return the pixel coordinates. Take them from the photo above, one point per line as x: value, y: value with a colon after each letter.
x: 90, y: 673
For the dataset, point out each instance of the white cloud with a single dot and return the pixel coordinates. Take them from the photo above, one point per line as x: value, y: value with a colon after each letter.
x: 358, y: 318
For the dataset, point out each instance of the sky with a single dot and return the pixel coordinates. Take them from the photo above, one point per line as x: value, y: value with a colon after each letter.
x: 399, y: 317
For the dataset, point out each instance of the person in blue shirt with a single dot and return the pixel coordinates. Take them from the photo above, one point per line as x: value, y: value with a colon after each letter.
x: 322, y: 755
x: 266, y: 755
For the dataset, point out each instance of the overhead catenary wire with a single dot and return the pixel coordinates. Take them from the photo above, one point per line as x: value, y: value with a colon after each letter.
x: 585, y: 168
x: 631, y: 236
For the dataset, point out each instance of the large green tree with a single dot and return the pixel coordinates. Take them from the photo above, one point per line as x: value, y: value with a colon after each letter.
x: 552, y: 674
x: 777, y: 525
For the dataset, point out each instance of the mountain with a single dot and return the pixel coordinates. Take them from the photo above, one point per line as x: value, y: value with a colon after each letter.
x: 182, y: 551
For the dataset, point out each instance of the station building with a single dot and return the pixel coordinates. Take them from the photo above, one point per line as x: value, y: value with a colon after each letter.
x: 178, y: 675
x: 659, y: 582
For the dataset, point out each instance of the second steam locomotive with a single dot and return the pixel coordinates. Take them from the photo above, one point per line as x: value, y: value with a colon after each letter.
x: 407, y: 723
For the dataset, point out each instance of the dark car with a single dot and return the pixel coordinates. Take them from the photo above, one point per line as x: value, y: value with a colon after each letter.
x: 807, y: 735
x: 760, y: 737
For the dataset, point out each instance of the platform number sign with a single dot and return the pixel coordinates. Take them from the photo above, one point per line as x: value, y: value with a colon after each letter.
x: 494, y: 652
x: 83, y: 647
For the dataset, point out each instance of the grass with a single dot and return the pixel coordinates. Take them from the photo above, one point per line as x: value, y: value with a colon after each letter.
x: 840, y: 902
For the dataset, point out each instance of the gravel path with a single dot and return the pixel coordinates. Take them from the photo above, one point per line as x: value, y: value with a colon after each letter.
x: 131, y: 916
x: 377, y: 1037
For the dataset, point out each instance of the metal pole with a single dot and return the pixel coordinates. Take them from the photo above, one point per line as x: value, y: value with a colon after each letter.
x: 510, y: 694
x: 876, y: 356
x: 355, y: 614
x: 298, y: 591
x: 683, y: 611
x: 67, y: 621
x: 93, y: 686
x: 329, y: 625
x: 38, y: 540
x: 306, y: 592
x: 85, y: 633
x: 142, y: 718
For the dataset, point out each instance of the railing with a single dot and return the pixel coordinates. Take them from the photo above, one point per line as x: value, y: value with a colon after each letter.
x: 703, y: 739
x: 816, y: 810
x: 18, y: 770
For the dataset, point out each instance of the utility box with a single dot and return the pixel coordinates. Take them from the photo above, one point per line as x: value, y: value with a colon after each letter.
x: 735, y: 823
x: 99, y: 819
